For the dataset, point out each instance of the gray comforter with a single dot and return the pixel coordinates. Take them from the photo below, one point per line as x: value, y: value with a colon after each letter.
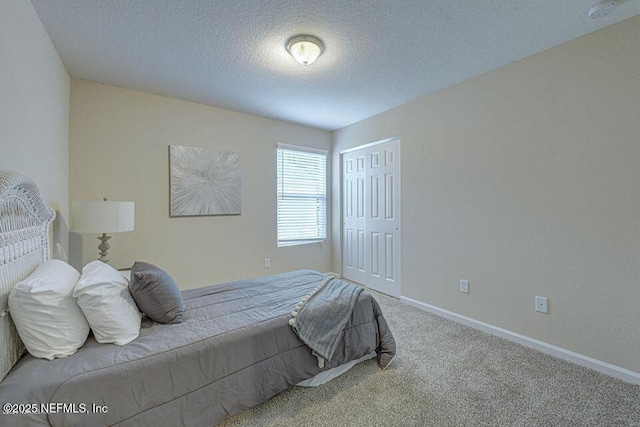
x: 234, y: 350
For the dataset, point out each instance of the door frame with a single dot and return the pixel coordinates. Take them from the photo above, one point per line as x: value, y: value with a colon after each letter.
x: 342, y: 207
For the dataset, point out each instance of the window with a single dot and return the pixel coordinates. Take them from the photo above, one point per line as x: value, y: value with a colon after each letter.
x: 302, y: 195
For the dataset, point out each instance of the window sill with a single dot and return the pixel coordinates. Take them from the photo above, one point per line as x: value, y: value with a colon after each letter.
x: 300, y: 242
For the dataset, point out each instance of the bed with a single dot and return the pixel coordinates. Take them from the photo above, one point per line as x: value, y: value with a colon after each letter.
x: 234, y: 350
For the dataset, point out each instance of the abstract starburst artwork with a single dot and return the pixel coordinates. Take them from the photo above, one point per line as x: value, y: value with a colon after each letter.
x: 204, y: 182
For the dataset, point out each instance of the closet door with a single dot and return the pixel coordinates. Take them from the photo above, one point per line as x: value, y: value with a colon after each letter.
x: 354, y: 219
x: 371, y: 216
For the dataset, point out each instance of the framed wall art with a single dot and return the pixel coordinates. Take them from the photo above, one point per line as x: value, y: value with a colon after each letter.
x: 204, y: 182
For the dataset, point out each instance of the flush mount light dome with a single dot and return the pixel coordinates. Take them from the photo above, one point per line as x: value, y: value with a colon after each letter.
x: 305, y: 49
x: 602, y: 9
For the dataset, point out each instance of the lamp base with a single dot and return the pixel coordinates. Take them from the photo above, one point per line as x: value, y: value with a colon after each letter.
x: 104, y: 248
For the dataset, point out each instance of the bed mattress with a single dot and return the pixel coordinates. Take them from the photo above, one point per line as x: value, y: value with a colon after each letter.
x: 233, y: 351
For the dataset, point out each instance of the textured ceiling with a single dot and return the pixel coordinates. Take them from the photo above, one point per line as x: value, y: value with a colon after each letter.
x: 379, y: 54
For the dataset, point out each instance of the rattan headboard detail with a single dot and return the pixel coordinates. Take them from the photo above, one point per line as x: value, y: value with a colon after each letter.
x: 24, y: 245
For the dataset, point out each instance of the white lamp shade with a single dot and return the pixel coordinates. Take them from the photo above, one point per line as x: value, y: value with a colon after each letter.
x: 102, y: 216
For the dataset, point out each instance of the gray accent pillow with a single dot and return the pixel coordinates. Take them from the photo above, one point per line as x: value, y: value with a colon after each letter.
x: 156, y: 293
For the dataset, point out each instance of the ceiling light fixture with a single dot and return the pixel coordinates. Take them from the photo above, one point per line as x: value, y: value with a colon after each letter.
x: 305, y: 49
x: 602, y: 9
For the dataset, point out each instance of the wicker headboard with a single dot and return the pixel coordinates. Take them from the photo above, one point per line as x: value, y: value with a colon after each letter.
x: 24, y: 245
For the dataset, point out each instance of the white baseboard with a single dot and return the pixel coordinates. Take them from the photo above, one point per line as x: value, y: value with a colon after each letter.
x: 577, y: 358
x: 330, y: 273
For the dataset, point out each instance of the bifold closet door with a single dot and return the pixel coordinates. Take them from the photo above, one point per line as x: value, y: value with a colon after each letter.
x: 354, y: 219
x: 371, y: 216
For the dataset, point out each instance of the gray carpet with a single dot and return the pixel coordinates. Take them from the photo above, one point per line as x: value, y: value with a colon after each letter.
x: 447, y: 374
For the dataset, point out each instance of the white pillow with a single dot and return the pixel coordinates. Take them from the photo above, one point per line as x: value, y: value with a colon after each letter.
x: 103, y: 295
x: 47, y: 316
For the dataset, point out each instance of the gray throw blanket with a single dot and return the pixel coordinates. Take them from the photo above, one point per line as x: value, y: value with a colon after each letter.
x: 321, y: 316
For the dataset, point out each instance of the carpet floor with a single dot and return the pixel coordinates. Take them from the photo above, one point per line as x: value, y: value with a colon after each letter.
x: 447, y: 374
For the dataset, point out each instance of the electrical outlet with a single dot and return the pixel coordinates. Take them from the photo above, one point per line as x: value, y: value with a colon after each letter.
x: 464, y: 286
x: 542, y: 305
x: 267, y: 263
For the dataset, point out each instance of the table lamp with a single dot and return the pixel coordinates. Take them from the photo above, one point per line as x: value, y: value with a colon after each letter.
x: 102, y: 217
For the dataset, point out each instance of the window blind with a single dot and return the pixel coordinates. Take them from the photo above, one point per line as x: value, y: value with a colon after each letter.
x: 302, y: 195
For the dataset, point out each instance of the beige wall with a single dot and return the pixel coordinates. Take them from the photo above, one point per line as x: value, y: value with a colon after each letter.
x: 526, y: 181
x: 119, y: 148
x: 34, y: 110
